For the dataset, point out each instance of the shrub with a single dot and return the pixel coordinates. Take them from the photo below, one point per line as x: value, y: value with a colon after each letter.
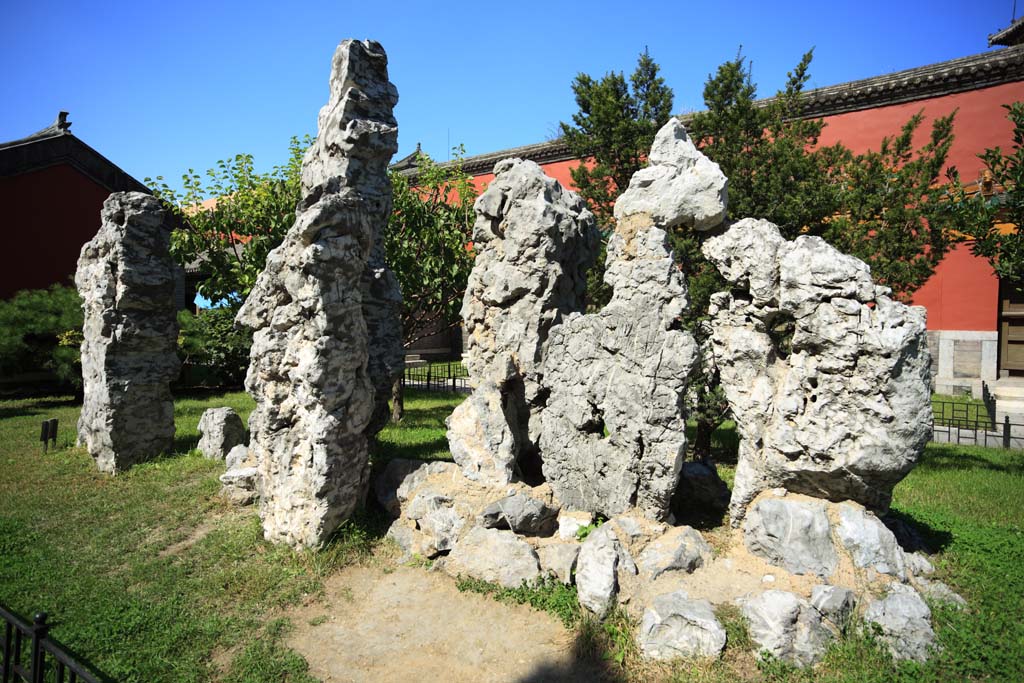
x: 212, y: 349
x: 40, y: 329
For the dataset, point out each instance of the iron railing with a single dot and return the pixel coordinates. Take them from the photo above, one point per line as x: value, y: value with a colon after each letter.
x: 972, y: 423
x: 449, y: 377
x: 31, y: 656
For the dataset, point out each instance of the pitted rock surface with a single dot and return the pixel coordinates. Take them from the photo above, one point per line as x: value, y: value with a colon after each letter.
x: 220, y: 430
x: 613, y: 433
x: 535, y: 241
x: 826, y: 375
x: 382, y: 311
x: 308, y: 371
x: 125, y: 277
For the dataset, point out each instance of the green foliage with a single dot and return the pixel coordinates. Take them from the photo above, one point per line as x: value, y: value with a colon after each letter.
x: 547, y: 595
x: 892, y: 213
x: 211, y: 341
x: 429, y: 245
x: 267, y: 659
x: 614, y: 127
x: 978, y: 215
x: 40, y: 329
x: 245, y: 215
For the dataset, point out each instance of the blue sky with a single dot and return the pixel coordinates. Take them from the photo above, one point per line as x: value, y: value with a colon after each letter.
x: 162, y: 87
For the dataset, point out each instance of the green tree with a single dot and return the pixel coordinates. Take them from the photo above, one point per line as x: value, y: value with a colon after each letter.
x: 230, y: 221
x: 612, y: 133
x: 429, y: 244
x: 40, y: 329
x: 979, y: 216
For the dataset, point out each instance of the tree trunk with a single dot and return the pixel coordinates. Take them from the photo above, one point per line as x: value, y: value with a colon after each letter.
x: 397, y: 401
x: 702, y: 440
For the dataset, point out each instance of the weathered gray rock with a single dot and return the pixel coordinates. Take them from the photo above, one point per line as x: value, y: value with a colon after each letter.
x: 917, y: 564
x: 835, y: 603
x: 125, y: 277
x: 937, y: 591
x: 827, y: 376
x: 680, y: 549
x: 220, y: 430
x: 494, y: 555
x: 559, y: 559
x: 237, y: 456
x: 905, y: 622
x: 791, y: 533
x: 869, y: 542
x: 482, y: 435
x: 676, y: 626
x: 613, y: 433
x: 436, y: 516
x: 241, y: 485
x: 520, y: 513
x: 679, y: 187
x: 786, y: 626
x: 596, y: 570
x: 382, y: 311
x: 398, y: 473
x: 308, y: 372
x: 534, y: 241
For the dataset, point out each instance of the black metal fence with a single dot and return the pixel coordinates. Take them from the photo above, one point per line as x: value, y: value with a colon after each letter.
x: 30, y: 656
x: 973, y: 423
x: 448, y: 377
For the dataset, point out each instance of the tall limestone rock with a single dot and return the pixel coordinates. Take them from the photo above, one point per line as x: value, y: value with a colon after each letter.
x: 613, y: 432
x: 308, y: 371
x: 535, y: 241
x: 827, y: 377
x: 126, y: 279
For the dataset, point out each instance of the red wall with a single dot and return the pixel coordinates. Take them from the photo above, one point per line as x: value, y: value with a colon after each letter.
x: 962, y: 294
x: 48, y: 215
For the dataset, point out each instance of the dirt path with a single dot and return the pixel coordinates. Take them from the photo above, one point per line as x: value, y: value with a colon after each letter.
x: 409, y: 624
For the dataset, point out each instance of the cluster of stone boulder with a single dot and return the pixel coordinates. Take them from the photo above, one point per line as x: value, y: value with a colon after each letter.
x: 571, y: 447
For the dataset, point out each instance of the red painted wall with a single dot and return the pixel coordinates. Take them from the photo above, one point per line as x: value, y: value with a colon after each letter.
x: 962, y: 294
x: 48, y: 215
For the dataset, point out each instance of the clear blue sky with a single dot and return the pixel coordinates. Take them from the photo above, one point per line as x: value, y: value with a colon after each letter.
x: 162, y: 87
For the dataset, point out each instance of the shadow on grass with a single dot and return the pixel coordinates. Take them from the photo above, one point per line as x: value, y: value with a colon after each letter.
x: 913, y: 534
x: 942, y: 457
x: 37, y: 407
x: 182, y: 445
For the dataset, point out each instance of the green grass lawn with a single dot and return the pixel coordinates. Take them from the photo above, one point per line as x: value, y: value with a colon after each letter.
x: 150, y: 577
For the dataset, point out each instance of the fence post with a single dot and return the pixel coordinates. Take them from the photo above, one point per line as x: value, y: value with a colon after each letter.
x: 428, y: 376
x: 40, y: 630
x: 1006, y: 431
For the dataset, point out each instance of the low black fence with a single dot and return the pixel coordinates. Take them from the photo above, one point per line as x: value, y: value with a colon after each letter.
x: 449, y: 377
x: 975, y: 424
x: 31, y: 656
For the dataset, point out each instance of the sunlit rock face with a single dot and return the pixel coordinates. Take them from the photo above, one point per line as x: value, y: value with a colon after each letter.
x: 827, y: 376
x: 125, y: 277
x: 308, y: 370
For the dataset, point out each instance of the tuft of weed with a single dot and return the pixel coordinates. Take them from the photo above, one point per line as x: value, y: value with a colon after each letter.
x: 547, y: 595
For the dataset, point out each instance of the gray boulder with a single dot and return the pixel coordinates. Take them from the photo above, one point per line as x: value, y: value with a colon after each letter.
x: 125, y: 277
x: 613, y: 433
x: 904, y: 622
x: 676, y: 626
x: 520, y: 513
x: 937, y: 591
x: 559, y: 559
x: 835, y: 603
x: 220, y: 430
x: 436, y: 516
x: 494, y: 555
x: 240, y: 485
x: 534, y: 241
x: 791, y: 533
x: 308, y: 371
x: 238, y: 457
x: 680, y: 549
x: 869, y: 542
x: 786, y: 626
x: 596, y: 570
x: 382, y: 311
x: 828, y: 378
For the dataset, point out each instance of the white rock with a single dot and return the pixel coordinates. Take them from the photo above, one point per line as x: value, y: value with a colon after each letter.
x: 786, y: 626
x: 596, y: 571
x: 220, y: 430
x: 676, y: 626
x: 680, y: 549
x: 494, y: 555
x: 559, y: 559
x: 905, y: 623
x: 791, y: 533
x: 869, y: 542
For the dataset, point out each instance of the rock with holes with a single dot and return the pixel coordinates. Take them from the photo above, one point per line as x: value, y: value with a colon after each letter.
x: 676, y: 626
x: 786, y: 626
x: 308, y: 371
x: 614, y: 426
x: 125, y: 277
x: 220, y: 430
x: 904, y: 622
x: 521, y: 513
x: 382, y: 311
x: 494, y: 555
x: 534, y: 242
x: 826, y: 375
x: 791, y: 533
